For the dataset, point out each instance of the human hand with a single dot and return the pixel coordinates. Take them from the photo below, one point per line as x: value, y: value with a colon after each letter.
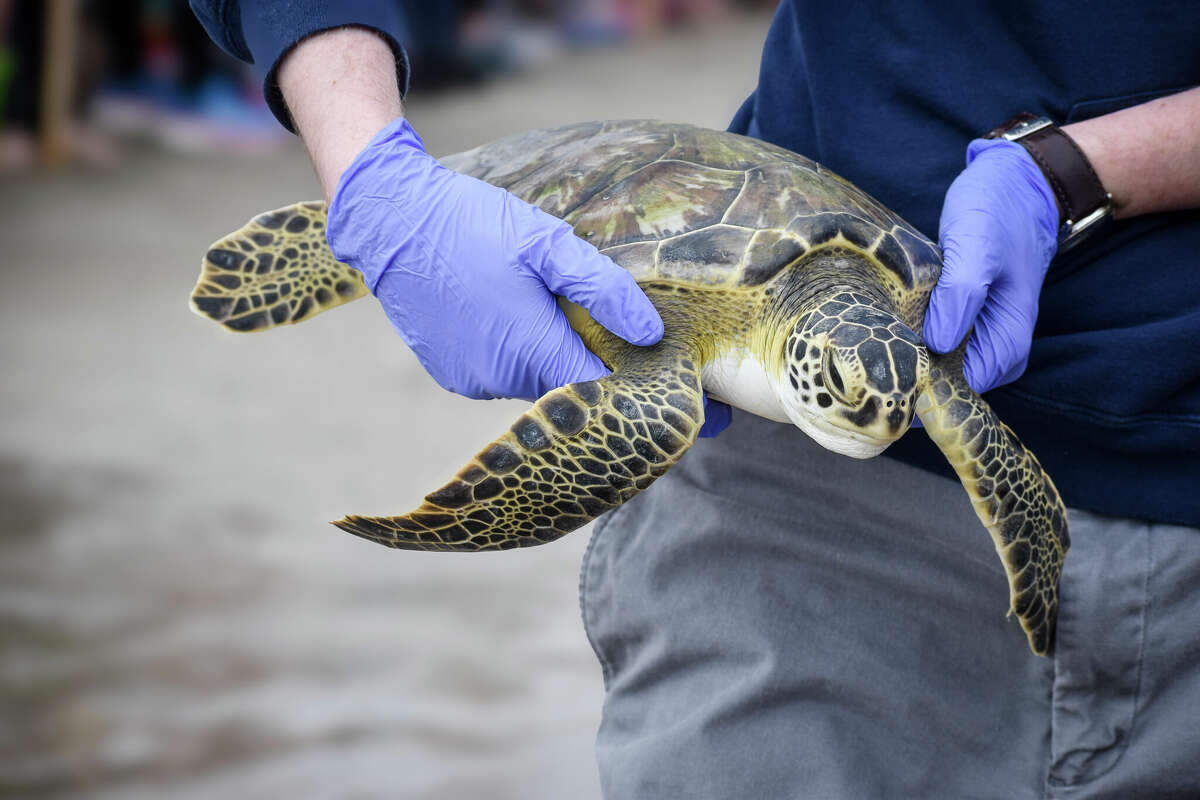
x: 998, y: 232
x: 458, y: 294
x: 467, y: 273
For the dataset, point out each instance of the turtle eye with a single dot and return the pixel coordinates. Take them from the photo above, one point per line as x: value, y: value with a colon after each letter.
x: 834, y: 382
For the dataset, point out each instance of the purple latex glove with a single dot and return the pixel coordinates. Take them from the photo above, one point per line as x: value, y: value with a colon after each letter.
x: 717, y: 416
x: 467, y: 273
x: 998, y: 232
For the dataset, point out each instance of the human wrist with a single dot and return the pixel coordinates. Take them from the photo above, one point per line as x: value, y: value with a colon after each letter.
x: 394, y: 158
x: 390, y: 149
x: 341, y: 90
x: 1099, y: 155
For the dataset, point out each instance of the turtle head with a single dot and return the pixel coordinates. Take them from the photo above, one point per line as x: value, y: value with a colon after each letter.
x: 854, y: 371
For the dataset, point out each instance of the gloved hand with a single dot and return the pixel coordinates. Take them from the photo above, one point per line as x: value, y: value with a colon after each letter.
x: 467, y: 273
x: 998, y: 232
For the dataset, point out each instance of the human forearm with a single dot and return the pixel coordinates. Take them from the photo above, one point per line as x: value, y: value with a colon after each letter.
x: 1147, y: 156
x: 340, y: 87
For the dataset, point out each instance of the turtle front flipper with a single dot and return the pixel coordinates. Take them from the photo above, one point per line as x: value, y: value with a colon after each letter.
x: 1012, y: 495
x: 581, y: 450
x: 276, y: 270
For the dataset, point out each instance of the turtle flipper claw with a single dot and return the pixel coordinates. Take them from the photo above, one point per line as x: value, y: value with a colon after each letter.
x: 1012, y: 495
x: 581, y: 450
x: 276, y: 270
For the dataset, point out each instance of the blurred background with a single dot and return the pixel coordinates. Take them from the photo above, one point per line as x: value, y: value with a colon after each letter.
x: 176, y: 617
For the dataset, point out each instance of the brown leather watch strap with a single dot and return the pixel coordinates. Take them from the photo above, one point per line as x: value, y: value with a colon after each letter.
x: 1080, y: 195
x: 1070, y: 174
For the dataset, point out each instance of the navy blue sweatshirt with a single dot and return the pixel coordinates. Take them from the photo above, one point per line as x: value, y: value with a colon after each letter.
x: 888, y: 95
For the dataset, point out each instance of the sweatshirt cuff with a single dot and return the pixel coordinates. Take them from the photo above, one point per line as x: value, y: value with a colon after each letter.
x: 271, y: 29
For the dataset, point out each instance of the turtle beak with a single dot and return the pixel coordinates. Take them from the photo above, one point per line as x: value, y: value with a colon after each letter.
x: 881, y: 418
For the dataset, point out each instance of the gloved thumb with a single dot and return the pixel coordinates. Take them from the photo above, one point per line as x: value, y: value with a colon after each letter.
x: 576, y: 270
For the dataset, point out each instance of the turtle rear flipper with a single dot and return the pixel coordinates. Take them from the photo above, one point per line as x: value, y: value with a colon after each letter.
x: 581, y: 450
x: 1013, y: 497
x: 276, y: 270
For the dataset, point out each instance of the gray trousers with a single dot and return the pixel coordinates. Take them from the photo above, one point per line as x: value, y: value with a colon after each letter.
x: 777, y: 621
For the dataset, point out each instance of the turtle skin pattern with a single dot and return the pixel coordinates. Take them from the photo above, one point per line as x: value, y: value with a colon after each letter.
x: 277, y: 270
x: 1012, y: 495
x: 737, y: 242
x: 581, y: 450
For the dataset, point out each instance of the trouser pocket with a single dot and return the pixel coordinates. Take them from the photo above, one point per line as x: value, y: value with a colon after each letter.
x: 1100, y: 647
x: 593, y: 587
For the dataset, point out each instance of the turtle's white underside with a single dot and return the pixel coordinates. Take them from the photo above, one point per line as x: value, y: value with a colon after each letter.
x: 738, y: 378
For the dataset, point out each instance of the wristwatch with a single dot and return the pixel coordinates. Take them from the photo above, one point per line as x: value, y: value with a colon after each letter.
x: 1084, y: 206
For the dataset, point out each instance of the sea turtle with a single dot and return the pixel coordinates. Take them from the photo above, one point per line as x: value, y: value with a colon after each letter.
x: 784, y: 290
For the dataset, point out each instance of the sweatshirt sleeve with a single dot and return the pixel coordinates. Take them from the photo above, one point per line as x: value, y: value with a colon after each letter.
x: 263, y: 31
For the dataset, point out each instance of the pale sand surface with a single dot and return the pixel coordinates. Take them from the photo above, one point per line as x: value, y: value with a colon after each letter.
x: 176, y: 617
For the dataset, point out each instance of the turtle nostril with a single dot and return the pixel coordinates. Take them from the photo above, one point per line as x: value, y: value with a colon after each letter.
x: 897, y: 415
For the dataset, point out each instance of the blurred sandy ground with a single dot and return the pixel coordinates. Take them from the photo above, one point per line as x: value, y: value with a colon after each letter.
x: 176, y: 618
